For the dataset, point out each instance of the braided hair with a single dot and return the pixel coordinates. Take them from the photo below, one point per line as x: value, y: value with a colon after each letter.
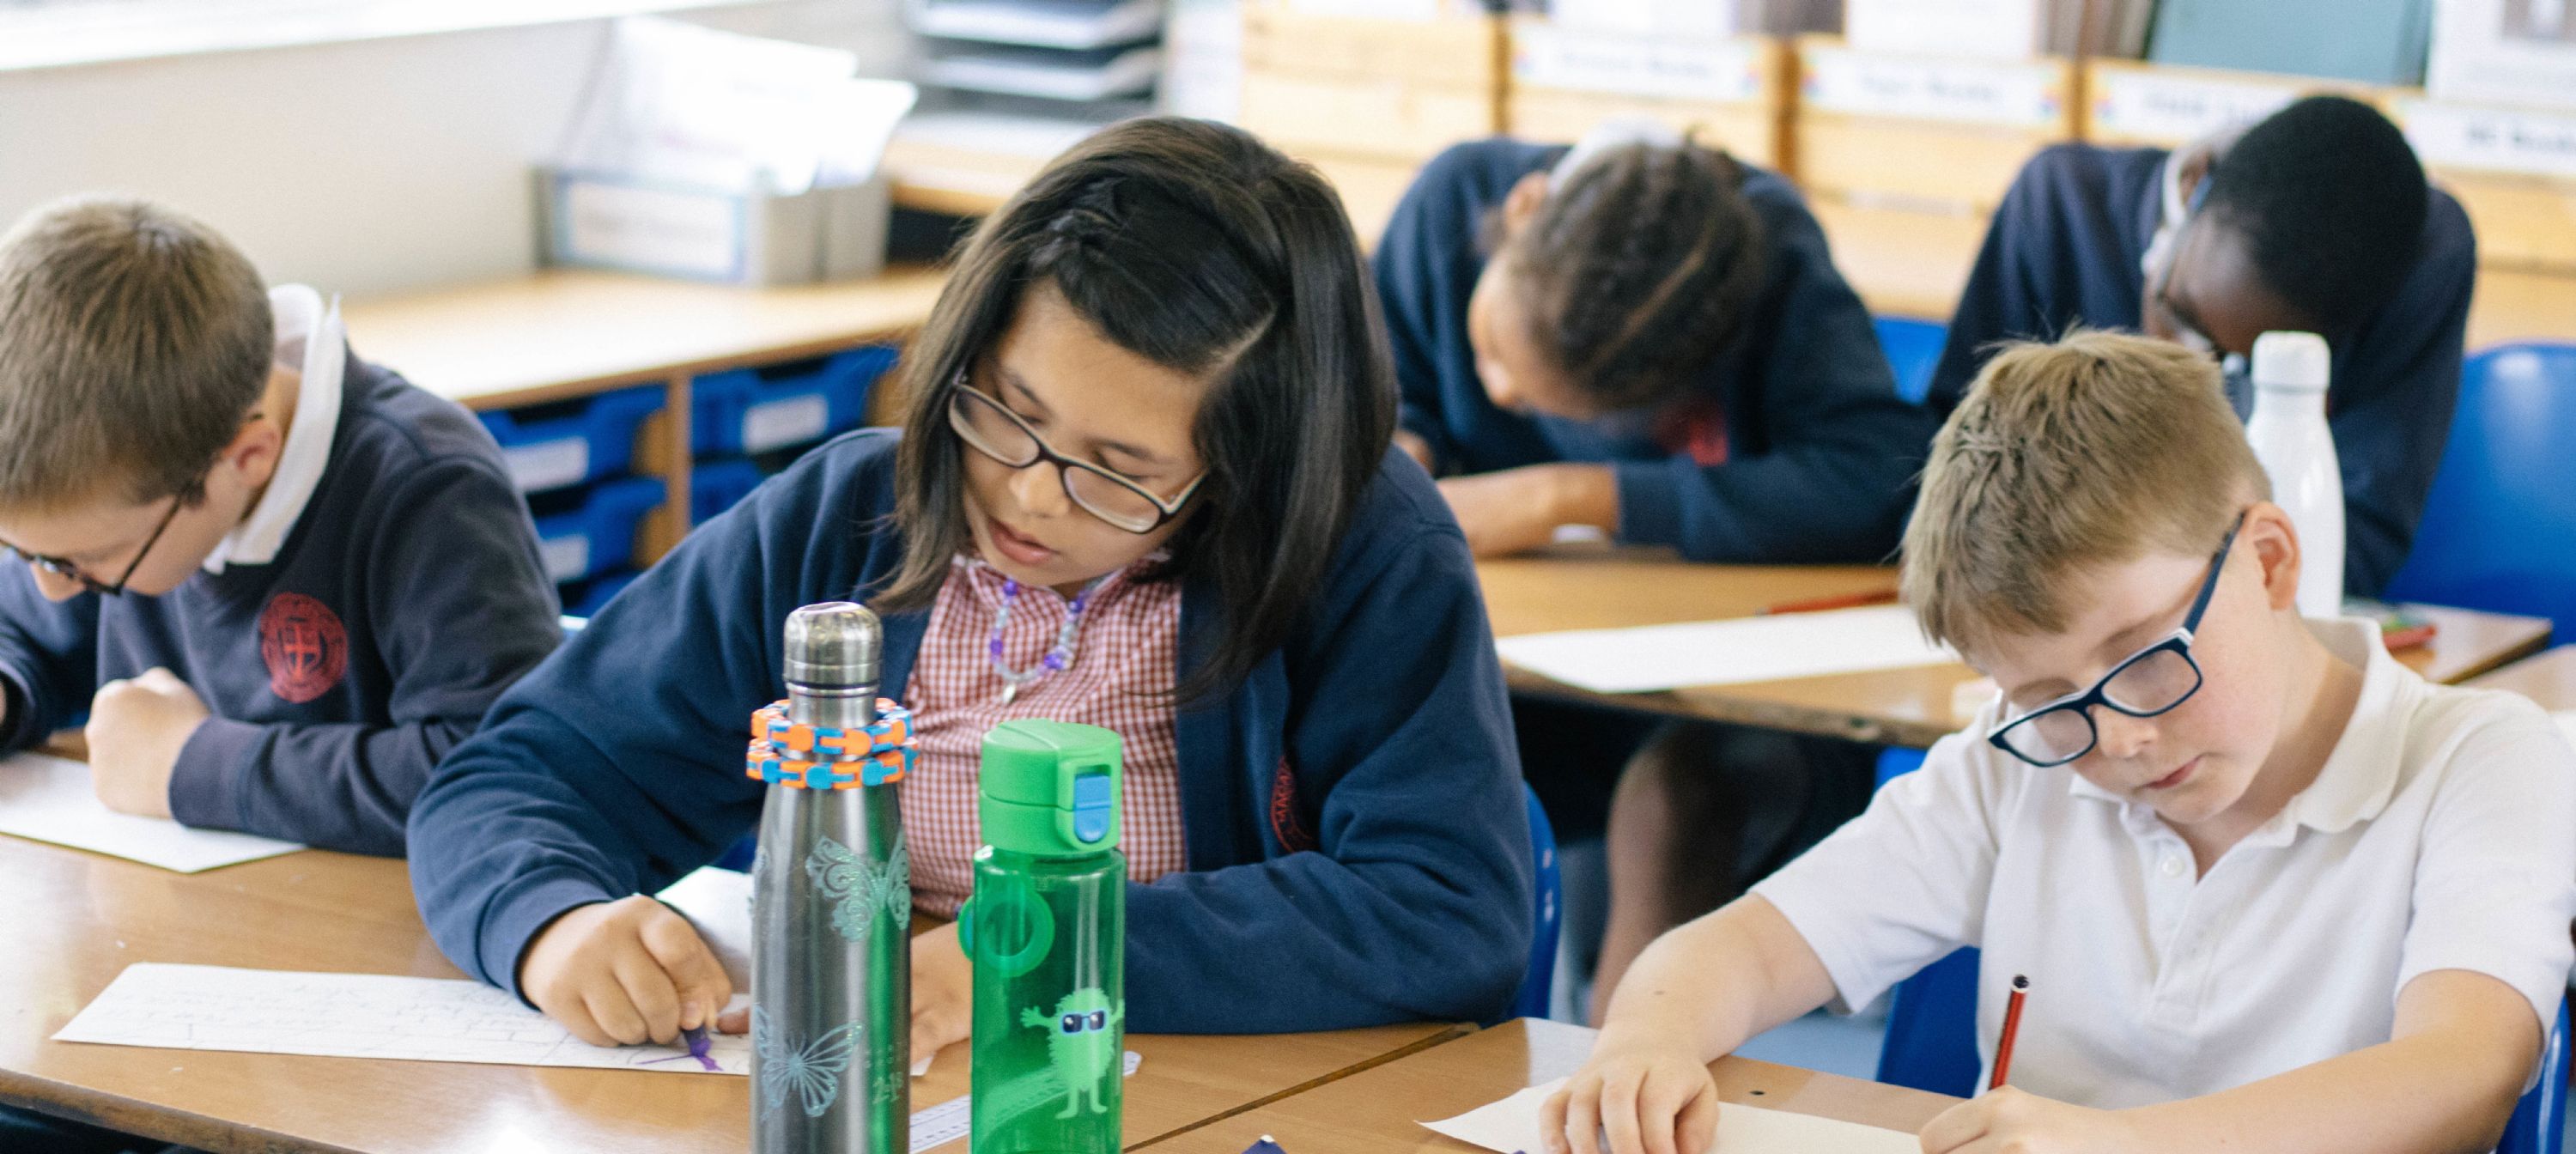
x: 1639, y: 268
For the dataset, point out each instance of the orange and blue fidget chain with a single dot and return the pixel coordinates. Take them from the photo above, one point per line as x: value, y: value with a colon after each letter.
x: 784, y: 752
x: 1057, y: 659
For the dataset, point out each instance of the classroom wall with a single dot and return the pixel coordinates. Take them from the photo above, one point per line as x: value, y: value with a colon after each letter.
x: 364, y: 168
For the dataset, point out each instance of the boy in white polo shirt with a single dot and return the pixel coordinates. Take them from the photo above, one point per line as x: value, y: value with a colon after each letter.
x: 2273, y: 891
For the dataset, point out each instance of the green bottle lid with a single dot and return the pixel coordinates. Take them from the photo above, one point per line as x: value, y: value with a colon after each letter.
x: 1050, y: 788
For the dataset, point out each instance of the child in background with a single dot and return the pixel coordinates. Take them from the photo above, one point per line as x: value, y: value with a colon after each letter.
x: 1644, y: 336
x: 2316, y: 219
x: 1144, y: 482
x: 2272, y: 889
x: 281, y: 581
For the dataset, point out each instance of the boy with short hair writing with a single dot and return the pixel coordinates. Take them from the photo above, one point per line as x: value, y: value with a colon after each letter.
x: 282, y: 581
x: 2273, y: 890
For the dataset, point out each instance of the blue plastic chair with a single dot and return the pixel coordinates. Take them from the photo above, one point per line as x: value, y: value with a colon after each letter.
x: 1913, y: 349
x: 2499, y: 528
x: 1540, y: 979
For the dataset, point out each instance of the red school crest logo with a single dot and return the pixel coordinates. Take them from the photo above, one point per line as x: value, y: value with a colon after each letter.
x: 304, y: 646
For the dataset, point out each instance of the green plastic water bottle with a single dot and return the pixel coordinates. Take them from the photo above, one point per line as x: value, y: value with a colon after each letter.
x: 1046, y: 932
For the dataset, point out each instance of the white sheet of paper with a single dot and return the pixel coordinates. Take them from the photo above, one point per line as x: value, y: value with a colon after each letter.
x: 718, y: 903
x: 354, y: 1016
x: 1511, y: 1126
x: 1770, y: 648
x: 2566, y: 720
x: 51, y: 800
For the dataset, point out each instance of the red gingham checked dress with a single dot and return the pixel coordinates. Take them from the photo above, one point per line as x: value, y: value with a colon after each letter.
x: 1123, y: 670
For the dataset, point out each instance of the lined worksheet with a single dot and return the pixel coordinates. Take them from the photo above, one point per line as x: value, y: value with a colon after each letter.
x: 357, y: 1016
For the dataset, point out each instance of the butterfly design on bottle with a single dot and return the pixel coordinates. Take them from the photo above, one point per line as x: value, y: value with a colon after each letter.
x: 814, y: 1069
x: 862, y: 888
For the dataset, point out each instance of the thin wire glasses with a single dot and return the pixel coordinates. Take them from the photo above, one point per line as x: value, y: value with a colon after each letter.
x: 991, y: 428
x: 71, y: 570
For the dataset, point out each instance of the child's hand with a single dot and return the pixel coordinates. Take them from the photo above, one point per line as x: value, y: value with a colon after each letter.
x: 943, y: 992
x: 137, y: 727
x: 1653, y: 1096
x: 624, y: 972
x: 1502, y: 513
x: 2008, y: 1119
x: 1415, y: 447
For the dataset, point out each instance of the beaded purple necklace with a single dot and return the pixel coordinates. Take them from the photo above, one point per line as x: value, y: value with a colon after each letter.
x: 1056, y: 660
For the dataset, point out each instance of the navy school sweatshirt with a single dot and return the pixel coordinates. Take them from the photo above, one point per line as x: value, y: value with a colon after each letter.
x: 408, y: 595
x: 2065, y: 248
x: 1357, y: 847
x: 1818, y: 453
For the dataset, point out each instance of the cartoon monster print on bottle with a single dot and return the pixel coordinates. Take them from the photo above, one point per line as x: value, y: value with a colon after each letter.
x: 1082, y: 1045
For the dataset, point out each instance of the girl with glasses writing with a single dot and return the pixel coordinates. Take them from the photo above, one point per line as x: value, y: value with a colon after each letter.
x: 1144, y: 481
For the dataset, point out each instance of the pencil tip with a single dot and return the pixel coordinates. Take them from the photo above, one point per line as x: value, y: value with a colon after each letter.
x: 2021, y: 981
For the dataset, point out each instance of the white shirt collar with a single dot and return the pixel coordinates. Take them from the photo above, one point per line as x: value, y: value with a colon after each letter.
x: 310, y: 336
x: 2361, y: 774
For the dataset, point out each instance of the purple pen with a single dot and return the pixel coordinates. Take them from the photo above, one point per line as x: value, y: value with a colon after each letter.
x: 701, y: 1047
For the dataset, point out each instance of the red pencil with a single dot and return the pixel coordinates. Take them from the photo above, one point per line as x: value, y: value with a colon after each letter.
x: 1837, y: 601
x: 2012, y: 1026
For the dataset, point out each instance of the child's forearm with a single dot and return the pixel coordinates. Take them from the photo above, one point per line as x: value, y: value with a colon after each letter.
x: 1719, y: 980
x: 2437, y: 1091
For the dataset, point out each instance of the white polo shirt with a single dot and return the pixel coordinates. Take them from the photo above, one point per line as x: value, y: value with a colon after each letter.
x: 2441, y: 834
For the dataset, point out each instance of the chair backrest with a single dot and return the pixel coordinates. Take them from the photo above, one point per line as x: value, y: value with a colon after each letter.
x: 1540, y: 979
x: 2539, y: 1123
x: 2499, y: 528
x: 1913, y: 349
x: 1931, y: 1039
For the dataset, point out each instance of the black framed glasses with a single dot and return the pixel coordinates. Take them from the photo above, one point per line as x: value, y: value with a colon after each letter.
x: 991, y: 428
x: 71, y: 570
x: 2154, y: 680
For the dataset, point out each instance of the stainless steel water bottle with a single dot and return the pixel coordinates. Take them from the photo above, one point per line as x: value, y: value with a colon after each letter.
x: 831, y: 906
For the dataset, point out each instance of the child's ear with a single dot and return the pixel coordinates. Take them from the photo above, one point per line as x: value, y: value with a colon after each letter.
x: 2274, y: 541
x: 254, y: 452
x: 1521, y: 204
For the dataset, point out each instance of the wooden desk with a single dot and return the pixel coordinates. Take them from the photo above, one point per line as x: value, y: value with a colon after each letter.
x: 1380, y: 1111
x: 1897, y: 706
x: 2549, y: 679
x: 566, y: 332
x: 563, y: 333
x: 84, y: 918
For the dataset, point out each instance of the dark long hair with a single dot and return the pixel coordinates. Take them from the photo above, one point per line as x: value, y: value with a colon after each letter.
x: 1196, y: 246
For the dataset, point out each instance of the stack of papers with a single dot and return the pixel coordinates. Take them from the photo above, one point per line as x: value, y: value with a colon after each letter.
x: 681, y: 105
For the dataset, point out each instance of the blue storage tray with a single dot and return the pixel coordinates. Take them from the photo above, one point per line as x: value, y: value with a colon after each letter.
x: 715, y: 486
x: 593, y: 596
x: 597, y: 534
x: 569, y: 443
x: 755, y: 410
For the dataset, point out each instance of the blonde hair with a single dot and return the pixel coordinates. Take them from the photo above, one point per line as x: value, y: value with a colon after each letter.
x: 133, y: 343
x: 2094, y: 450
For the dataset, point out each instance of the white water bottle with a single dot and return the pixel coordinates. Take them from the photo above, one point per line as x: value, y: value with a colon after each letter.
x: 2296, y: 447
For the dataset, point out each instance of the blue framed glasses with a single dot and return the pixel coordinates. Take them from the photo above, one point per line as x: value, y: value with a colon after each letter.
x: 2154, y: 680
